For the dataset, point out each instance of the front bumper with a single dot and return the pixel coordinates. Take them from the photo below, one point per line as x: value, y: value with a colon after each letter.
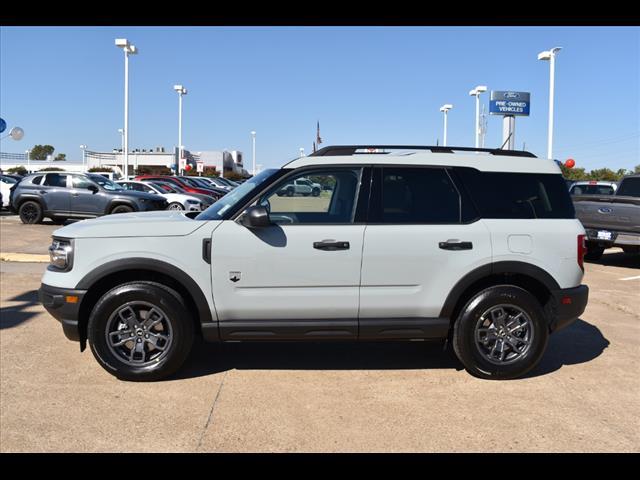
x: 64, y: 305
x: 567, y: 305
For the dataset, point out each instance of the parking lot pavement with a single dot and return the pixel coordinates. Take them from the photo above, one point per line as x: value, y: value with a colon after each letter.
x: 585, y: 395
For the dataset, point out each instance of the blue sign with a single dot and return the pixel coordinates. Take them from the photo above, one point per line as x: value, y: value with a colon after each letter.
x: 509, y: 103
x: 3, y: 125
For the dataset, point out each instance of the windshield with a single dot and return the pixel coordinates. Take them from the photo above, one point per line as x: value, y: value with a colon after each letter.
x: 219, y: 208
x: 8, y: 179
x: 592, y: 190
x: 105, y: 183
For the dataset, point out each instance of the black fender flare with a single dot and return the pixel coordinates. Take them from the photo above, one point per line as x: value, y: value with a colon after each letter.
x: 522, y: 268
x: 25, y: 197
x: 120, y: 201
x: 150, y: 264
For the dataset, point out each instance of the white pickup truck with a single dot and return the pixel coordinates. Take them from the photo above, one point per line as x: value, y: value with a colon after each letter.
x: 300, y: 186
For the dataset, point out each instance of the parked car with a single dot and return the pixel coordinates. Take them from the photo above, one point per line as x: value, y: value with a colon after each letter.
x: 177, y: 201
x: 218, y: 183
x: 593, y: 187
x: 300, y: 186
x: 481, y: 250
x: 60, y: 196
x: 6, y: 182
x: 187, y: 187
x: 199, y: 183
x: 611, y: 220
x: 167, y: 187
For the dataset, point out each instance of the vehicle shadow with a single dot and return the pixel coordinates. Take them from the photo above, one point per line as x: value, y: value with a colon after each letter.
x: 619, y: 259
x: 207, y: 359
x: 16, y: 314
x: 580, y: 342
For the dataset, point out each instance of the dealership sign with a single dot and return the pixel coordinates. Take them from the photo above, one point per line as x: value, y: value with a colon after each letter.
x: 509, y: 103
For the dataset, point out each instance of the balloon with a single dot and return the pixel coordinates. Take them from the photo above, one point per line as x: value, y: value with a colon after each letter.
x: 188, y: 167
x: 570, y: 163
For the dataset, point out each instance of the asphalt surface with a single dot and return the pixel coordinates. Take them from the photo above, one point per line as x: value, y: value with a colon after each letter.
x: 383, y: 397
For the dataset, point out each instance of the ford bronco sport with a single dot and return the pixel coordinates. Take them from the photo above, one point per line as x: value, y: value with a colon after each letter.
x: 476, y: 247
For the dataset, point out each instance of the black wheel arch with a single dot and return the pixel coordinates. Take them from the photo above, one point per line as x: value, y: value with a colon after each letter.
x: 33, y: 198
x: 118, y: 272
x: 525, y: 275
x: 116, y: 202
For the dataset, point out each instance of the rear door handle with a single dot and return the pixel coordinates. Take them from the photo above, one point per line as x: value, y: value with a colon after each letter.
x: 455, y: 245
x: 331, y: 245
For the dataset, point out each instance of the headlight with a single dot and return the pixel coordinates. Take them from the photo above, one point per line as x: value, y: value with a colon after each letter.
x: 61, y: 254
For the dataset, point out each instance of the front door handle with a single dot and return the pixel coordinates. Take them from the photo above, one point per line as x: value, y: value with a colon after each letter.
x: 455, y: 245
x: 331, y: 245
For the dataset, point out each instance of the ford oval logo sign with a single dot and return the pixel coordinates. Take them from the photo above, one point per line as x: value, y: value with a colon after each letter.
x: 605, y: 210
x: 511, y: 95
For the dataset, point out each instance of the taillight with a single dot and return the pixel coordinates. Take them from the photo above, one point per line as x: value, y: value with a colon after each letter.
x: 582, y: 250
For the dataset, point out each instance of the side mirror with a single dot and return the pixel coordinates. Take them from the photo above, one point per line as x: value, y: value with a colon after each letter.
x: 93, y: 188
x: 256, y: 217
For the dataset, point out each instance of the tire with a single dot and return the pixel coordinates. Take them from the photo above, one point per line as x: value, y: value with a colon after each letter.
x: 152, y: 363
x: 473, y: 347
x: 175, y: 206
x: 121, y: 209
x: 594, y: 252
x: 59, y: 220
x: 30, y: 212
x: 316, y: 192
x: 631, y: 249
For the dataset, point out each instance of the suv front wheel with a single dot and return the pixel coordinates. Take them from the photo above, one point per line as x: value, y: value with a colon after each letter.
x: 501, y: 333
x: 140, y: 331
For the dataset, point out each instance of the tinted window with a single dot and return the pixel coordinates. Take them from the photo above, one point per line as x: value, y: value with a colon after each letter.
x: 37, y: 180
x: 517, y: 195
x: 592, y: 190
x: 630, y: 187
x: 305, y: 200
x: 414, y: 195
x: 55, y: 180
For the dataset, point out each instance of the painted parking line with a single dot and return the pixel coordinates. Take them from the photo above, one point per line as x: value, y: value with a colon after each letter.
x: 637, y: 277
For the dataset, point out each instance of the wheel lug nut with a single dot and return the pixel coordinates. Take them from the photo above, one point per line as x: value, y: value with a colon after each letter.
x: 139, y: 340
x: 146, y: 336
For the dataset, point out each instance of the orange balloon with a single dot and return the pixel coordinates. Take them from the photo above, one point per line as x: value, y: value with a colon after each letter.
x: 570, y: 163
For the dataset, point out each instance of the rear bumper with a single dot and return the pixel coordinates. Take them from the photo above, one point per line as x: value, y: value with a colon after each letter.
x: 567, y: 305
x: 617, y: 238
x: 55, y: 300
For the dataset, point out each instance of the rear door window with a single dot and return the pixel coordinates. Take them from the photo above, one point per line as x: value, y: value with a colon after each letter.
x: 55, y: 180
x: 630, y: 187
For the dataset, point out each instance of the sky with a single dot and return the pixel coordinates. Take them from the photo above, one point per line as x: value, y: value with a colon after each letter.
x: 365, y: 85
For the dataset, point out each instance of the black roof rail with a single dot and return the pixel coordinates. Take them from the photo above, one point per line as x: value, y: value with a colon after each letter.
x: 351, y: 150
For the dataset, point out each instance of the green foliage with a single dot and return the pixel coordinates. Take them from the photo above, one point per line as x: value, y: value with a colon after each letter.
x: 100, y: 169
x: 636, y: 169
x: 233, y: 176
x: 18, y: 170
x: 603, y: 174
x: 61, y: 157
x: 51, y: 169
x: 208, y: 172
x: 144, y: 170
x: 40, y: 152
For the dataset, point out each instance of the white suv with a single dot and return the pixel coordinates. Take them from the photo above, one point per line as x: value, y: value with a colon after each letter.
x: 481, y: 250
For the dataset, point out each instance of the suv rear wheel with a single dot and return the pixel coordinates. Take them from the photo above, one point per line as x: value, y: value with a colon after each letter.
x: 30, y: 212
x: 140, y: 331
x: 501, y: 333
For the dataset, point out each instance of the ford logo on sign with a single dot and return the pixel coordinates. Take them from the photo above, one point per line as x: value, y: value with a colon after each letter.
x: 605, y: 210
x: 511, y: 95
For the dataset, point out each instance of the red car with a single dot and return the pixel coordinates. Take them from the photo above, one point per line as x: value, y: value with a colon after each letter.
x: 181, y: 183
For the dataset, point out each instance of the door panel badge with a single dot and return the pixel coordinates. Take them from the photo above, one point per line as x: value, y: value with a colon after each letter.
x: 234, y: 276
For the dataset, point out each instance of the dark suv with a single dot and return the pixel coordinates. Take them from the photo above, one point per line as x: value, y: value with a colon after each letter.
x: 59, y: 196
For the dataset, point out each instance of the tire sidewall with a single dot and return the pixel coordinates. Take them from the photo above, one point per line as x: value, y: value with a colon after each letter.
x: 464, y: 332
x: 174, y: 308
x: 122, y: 208
x: 175, y: 209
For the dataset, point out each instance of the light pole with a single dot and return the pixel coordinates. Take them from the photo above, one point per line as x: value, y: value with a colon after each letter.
x: 28, y: 152
x: 181, y: 91
x: 445, y: 109
x: 253, y: 139
x: 476, y: 93
x: 121, y: 131
x: 128, y: 50
x: 551, y: 56
x: 84, y: 157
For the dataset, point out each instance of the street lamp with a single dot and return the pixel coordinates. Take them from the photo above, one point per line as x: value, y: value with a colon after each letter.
x: 128, y: 50
x: 551, y: 56
x: 253, y: 139
x: 476, y: 93
x: 84, y: 151
x: 445, y: 109
x: 28, y: 153
x: 181, y: 91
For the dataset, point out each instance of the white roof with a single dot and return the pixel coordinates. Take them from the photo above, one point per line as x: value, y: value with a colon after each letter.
x: 481, y: 161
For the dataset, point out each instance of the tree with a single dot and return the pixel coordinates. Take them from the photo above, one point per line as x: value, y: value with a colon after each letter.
x: 18, y: 170
x: 233, y: 176
x: 61, y: 157
x: 40, y: 152
x: 603, y: 174
x: 636, y: 169
x: 51, y: 169
x: 573, y: 173
x: 100, y: 169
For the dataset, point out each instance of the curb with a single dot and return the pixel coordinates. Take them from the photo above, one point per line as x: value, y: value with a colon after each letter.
x: 23, y: 257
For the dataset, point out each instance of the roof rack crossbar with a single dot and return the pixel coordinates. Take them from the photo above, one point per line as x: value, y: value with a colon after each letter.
x: 351, y: 150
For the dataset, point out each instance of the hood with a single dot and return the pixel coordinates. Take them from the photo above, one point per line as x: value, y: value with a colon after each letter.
x: 163, y: 223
